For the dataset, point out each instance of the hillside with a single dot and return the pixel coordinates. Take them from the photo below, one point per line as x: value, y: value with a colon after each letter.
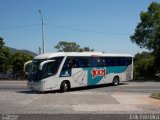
x: 14, y: 50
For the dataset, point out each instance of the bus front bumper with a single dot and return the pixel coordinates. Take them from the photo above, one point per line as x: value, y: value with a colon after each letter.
x: 37, y: 86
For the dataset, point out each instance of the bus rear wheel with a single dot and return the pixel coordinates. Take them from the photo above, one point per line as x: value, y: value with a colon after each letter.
x: 64, y: 86
x: 115, y: 81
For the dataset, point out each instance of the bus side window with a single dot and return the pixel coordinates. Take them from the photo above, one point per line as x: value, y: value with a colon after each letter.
x: 125, y: 61
x: 98, y: 62
x: 85, y: 62
x: 117, y: 61
x: 49, y: 69
x: 109, y: 61
x: 71, y: 62
x: 75, y: 62
x: 128, y: 60
x: 66, y: 65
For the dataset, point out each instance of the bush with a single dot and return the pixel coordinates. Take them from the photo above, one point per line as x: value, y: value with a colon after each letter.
x: 156, y: 95
x: 144, y: 66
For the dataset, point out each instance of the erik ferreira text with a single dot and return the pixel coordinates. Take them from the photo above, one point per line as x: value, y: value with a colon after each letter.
x: 144, y: 117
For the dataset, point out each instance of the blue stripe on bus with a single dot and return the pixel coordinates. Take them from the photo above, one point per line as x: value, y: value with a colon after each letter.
x: 97, y: 79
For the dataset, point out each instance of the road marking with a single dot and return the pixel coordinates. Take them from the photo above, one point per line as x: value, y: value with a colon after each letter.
x: 143, y: 89
x: 142, y: 84
x: 105, y: 107
x: 135, y: 99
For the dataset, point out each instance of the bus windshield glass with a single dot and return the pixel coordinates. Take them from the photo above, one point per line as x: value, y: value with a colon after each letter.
x: 35, y: 72
x: 35, y: 66
x: 48, y: 69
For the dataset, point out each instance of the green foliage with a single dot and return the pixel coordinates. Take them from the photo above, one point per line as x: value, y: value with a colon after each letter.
x: 1, y: 43
x: 144, y: 66
x: 87, y: 49
x: 4, y: 56
x: 64, y: 46
x: 156, y: 95
x: 67, y: 46
x: 10, y: 61
x: 17, y: 60
x: 147, y: 32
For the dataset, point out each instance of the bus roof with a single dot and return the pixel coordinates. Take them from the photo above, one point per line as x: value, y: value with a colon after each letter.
x: 58, y: 54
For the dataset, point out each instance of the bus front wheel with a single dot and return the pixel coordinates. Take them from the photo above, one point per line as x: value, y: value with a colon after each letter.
x: 64, y: 86
x: 115, y: 81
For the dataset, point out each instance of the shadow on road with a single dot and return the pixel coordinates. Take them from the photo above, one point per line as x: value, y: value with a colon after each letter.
x: 145, y: 80
x: 26, y: 91
x: 71, y: 90
x: 94, y: 87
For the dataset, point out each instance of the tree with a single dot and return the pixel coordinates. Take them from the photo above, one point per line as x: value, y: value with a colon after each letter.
x: 144, y: 68
x: 4, y: 56
x: 147, y: 32
x: 64, y: 46
x: 88, y: 49
x: 17, y: 60
x: 1, y: 43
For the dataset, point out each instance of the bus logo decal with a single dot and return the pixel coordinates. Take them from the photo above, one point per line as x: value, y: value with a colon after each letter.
x: 98, y: 72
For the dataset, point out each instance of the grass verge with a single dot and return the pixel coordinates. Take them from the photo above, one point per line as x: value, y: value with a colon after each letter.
x: 156, y: 95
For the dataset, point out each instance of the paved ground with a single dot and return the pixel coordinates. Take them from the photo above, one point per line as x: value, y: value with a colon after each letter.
x: 128, y: 98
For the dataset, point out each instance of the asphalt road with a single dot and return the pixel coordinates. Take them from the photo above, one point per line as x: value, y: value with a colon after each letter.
x: 129, y: 100
x: 130, y: 87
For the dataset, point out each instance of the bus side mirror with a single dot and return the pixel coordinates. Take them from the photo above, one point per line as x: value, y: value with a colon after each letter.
x: 25, y: 65
x: 44, y: 62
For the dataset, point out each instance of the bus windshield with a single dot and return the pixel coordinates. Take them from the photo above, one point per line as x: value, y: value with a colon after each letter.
x: 48, y: 69
x: 35, y: 66
x: 35, y: 73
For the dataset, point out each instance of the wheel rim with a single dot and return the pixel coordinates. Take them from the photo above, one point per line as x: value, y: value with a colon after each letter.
x: 65, y: 86
x: 116, y: 81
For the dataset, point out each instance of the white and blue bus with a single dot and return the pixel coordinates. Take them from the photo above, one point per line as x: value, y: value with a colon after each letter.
x: 65, y: 70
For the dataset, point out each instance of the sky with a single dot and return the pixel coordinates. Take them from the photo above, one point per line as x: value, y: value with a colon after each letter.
x: 102, y: 25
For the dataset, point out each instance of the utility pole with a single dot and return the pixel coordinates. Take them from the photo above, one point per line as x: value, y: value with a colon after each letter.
x: 39, y: 50
x: 43, y: 46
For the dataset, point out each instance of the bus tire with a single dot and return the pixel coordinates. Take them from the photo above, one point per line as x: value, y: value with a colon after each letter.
x: 115, y: 81
x: 64, y: 86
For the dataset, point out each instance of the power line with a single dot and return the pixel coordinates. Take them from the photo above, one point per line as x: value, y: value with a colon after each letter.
x: 82, y: 30
x: 17, y: 27
x: 63, y: 27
